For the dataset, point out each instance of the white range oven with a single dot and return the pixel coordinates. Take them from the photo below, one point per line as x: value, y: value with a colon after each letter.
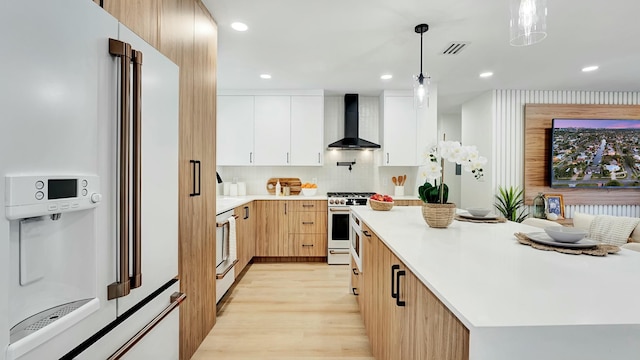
x: 339, y: 224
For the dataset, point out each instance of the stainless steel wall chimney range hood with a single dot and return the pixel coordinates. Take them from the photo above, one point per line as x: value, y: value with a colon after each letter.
x: 351, y: 140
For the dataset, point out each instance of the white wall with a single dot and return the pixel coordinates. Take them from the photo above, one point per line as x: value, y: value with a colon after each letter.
x: 366, y: 174
x: 500, y: 113
x: 477, y: 129
x: 450, y: 125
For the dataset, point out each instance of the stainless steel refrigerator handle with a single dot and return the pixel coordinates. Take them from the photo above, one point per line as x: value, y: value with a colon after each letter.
x: 121, y: 287
x: 176, y: 299
x: 136, y: 278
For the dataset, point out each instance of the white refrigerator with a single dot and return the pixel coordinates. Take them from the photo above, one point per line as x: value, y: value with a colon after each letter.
x: 89, y: 187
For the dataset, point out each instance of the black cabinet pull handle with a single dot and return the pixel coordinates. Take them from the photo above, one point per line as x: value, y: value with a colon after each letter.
x: 305, y: 245
x: 393, y: 278
x: 193, y: 176
x: 366, y: 233
x: 307, y: 205
x: 354, y: 291
x: 199, y: 176
x: 307, y: 223
x: 354, y: 271
x: 398, y: 301
x: 246, y: 212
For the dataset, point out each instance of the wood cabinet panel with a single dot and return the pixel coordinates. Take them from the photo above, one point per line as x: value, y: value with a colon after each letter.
x: 129, y: 13
x: 420, y: 329
x: 307, y: 245
x: 272, y: 228
x: 308, y: 205
x: 356, y: 286
x: 245, y: 236
x: 307, y: 223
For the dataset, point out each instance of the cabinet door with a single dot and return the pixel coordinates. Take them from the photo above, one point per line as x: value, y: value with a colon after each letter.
x: 272, y: 228
x: 400, y: 137
x: 272, y: 124
x: 242, y: 237
x: 234, y: 141
x: 307, y: 130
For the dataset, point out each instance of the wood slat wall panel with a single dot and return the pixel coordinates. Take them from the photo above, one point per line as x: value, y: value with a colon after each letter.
x: 537, y: 167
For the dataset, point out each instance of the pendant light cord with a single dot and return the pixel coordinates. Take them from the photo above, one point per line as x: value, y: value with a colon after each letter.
x: 421, y: 53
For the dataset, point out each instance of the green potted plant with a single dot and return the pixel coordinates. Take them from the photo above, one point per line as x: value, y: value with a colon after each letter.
x: 436, y: 211
x: 510, y: 203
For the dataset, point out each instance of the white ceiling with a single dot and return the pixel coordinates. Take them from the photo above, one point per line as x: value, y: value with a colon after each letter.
x: 345, y: 45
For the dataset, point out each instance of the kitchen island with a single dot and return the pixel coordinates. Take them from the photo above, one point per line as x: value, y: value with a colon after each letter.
x: 517, y: 302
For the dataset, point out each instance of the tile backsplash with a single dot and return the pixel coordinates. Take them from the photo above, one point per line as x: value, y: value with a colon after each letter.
x: 366, y: 174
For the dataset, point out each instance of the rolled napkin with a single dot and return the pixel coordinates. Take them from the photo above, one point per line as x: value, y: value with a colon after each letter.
x: 614, y: 230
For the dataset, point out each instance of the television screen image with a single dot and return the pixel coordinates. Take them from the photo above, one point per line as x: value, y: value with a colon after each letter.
x: 595, y: 153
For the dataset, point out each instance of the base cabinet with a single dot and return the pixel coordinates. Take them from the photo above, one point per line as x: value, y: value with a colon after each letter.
x: 403, y: 319
x: 245, y: 236
x: 294, y: 228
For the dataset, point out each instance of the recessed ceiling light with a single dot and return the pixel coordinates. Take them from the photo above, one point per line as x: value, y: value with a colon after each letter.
x: 265, y: 76
x: 386, y: 76
x: 238, y: 26
x: 486, y: 74
x: 590, y: 68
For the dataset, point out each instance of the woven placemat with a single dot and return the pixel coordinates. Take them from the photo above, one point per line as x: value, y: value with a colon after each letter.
x: 488, y: 221
x: 598, y: 250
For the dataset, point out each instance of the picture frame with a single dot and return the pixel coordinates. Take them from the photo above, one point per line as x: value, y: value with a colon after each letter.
x: 555, y: 204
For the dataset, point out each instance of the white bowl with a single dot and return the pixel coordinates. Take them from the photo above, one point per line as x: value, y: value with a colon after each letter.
x: 309, y: 192
x: 565, y: 234
x: 479, y: 211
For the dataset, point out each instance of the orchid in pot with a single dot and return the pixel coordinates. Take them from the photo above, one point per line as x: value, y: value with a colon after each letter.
x: 436, y: 211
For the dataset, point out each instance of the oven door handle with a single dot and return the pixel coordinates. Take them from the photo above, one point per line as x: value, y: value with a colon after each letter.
x: 339, y: 209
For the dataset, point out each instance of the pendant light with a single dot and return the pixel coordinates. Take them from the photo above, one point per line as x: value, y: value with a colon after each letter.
x: 528, y: 23
x: 421, y: 82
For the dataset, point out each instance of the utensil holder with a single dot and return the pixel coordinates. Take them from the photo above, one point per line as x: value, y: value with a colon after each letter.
x: 399, y: 191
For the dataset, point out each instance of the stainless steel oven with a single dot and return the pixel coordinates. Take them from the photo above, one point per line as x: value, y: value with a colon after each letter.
x: 339, y: 224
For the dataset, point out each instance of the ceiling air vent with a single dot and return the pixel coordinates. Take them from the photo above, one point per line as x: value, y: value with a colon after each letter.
x: 455, y: 48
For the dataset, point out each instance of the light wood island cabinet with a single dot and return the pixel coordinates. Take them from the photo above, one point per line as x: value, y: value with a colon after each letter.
x: 403, y: 319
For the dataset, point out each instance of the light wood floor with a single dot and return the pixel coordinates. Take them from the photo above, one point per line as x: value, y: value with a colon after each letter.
x: 289, y: 311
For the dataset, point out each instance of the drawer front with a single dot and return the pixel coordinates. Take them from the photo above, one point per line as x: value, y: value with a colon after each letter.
x: 308, y: 205
x: 308, y: 244
x: 307, y: 223
x: 355, y: 280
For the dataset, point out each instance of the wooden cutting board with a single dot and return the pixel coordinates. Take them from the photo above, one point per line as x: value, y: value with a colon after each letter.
x: 293, y: 183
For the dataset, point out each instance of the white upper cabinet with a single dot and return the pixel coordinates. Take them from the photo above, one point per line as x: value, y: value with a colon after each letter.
x: 307, y: 130
x: 272, y: 124
x: 399, y: 128
x: 234, y: 134
x: 270, y: 128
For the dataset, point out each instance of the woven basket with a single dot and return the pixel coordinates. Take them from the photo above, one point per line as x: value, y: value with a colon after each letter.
x: 438, y: 215
x: 380, y: 205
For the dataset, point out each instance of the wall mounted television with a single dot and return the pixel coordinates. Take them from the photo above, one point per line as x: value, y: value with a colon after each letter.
x: 595, y: 153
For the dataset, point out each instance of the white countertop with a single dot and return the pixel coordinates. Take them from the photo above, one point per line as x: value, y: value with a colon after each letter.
x: 225, y: 203
x: 494, y: 284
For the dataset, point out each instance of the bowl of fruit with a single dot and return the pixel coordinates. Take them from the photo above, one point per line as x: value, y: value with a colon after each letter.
x: 309, y: 189
x: 381, y: 202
